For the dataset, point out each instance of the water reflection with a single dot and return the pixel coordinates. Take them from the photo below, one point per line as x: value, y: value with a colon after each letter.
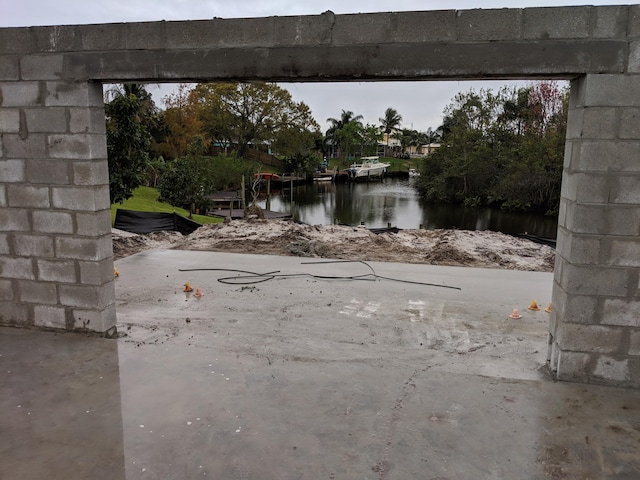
x: 396, y: 201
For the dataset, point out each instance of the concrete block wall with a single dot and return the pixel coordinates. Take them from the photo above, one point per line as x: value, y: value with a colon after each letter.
x: 55, y: 247
x: 595, y: 328
x: 56, y: 267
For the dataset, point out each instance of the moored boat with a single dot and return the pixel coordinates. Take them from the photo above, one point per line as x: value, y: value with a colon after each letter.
x: 368, y: 167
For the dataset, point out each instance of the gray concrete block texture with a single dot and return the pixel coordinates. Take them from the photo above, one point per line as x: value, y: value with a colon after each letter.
x: 55, y: 247
x: 599, y: 235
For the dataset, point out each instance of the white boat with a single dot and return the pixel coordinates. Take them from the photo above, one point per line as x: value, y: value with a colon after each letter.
x: 413, y: 172
x: 367, y: 168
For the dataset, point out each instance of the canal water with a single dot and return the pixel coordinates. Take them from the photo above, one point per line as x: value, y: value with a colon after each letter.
x: 396, y: 202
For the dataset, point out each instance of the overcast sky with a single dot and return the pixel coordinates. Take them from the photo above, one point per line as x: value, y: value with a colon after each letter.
x: 420, y: 103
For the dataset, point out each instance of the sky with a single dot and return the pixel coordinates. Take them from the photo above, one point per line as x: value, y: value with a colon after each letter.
x: 420, y: 104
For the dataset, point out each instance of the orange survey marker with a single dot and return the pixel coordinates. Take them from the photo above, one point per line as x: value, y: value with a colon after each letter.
x: 198, y: 292
x: 116, y: 273
x: 534, y: 306
x: 548, y: 309
x: 188, y: 287
x: 515, y: 314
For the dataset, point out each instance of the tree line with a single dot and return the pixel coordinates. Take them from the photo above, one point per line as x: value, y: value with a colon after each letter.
x: 501, y: 149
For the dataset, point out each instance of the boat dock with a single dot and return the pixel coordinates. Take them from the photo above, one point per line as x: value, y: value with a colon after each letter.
x: 238, y: 213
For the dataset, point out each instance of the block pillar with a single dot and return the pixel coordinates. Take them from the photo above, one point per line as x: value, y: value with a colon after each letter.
x: 56, y: 266
x: 595, y: 325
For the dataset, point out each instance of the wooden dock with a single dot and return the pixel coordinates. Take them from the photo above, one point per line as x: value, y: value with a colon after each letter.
x: 238, y: 213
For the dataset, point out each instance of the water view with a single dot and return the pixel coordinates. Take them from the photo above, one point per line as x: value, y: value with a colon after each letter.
x: 396, y: 202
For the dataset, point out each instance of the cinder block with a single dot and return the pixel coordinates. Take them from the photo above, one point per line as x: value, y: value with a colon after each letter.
x: 634, y: 57
x: 225, y: 32
x: 33, y: 245
x: 41, y: 67
x: 592, y: 280
x: 600, y: 123
x: 95, y: 172
x: 4, y: 244
x: 12, y: 171
x: 592, y: 338
x: 634, y: 21
x: 37, y: 292
x: 630, y: 123
x: 586, y: 187
x: 9, y: 67
x: 6, y: 290
x: 78, y: 146
x: 50, y: 171
x: 611, y: 369
x: 87, y: 296
x: 45, y: 221
x: 84, y: 248
x: 15, y: 40
x: 57, y: 38
x: 14, y: 220
x: 575, y: 120
x: 20, y: 268
x: 96, y: 273
x: 12, y: 313
x: 621, y: 312
x: 607, y: 156
x: 95, y: 320
x: 145, y: 36
x: 557, y: 22
x: 634, y: 343
x: 87, y: 199
x: 580, y: 309
x: 625, y: 189
x: 60, y: 271
x: 623, y: 220
x: 23, y: 195
x: 34, y: 146
x: 46, y: 120
x: 94, y: 224
x: 610, y: 22
x: 587, y: 218
x: 49, y: 317
x: 9, y: 120
x: 612, y: 90
x: 3, y: 195
x: 488, y: 25
x: 573, y: 366
x: 580, y: 249
x: 624, y: 253
x: 68, y: 94
x: 21, y: 94
x: 87, y: 120
x: 103, y: 37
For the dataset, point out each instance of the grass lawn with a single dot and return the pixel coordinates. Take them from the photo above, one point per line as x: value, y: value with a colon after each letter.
x: 145, y: 199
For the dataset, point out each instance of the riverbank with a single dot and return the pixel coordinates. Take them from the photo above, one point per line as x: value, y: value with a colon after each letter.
x: 276, y: 237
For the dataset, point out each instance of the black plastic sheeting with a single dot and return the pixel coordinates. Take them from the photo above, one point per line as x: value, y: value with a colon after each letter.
x: 148, y: 222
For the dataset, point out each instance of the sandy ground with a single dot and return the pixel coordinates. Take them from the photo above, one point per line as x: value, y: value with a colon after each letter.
x: 278, y: 237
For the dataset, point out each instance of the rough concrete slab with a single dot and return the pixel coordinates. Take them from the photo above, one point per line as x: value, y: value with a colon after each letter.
x: 308, y: 378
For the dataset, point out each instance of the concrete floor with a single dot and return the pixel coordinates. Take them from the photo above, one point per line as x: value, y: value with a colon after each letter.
x: 308, y: 378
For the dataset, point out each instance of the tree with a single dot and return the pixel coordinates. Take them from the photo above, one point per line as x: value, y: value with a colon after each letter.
x: 239, y: 114
x: 503, y: 149
x: 128, y: 139
x: 345, y: 133
x: 390, y: 122
x: 182, y: 122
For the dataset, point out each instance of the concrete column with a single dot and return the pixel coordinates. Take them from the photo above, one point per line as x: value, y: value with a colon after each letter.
x: 595, y: 327
x: 56, y: 267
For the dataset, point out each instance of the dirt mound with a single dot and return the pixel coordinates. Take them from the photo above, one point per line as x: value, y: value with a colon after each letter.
x: 281, y: 237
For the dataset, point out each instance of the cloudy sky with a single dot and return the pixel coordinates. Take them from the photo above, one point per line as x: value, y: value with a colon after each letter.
x: 420, y: 103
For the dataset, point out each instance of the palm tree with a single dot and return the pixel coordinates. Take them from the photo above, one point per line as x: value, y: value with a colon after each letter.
x: 344, y: 131
x: 390, y: 122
